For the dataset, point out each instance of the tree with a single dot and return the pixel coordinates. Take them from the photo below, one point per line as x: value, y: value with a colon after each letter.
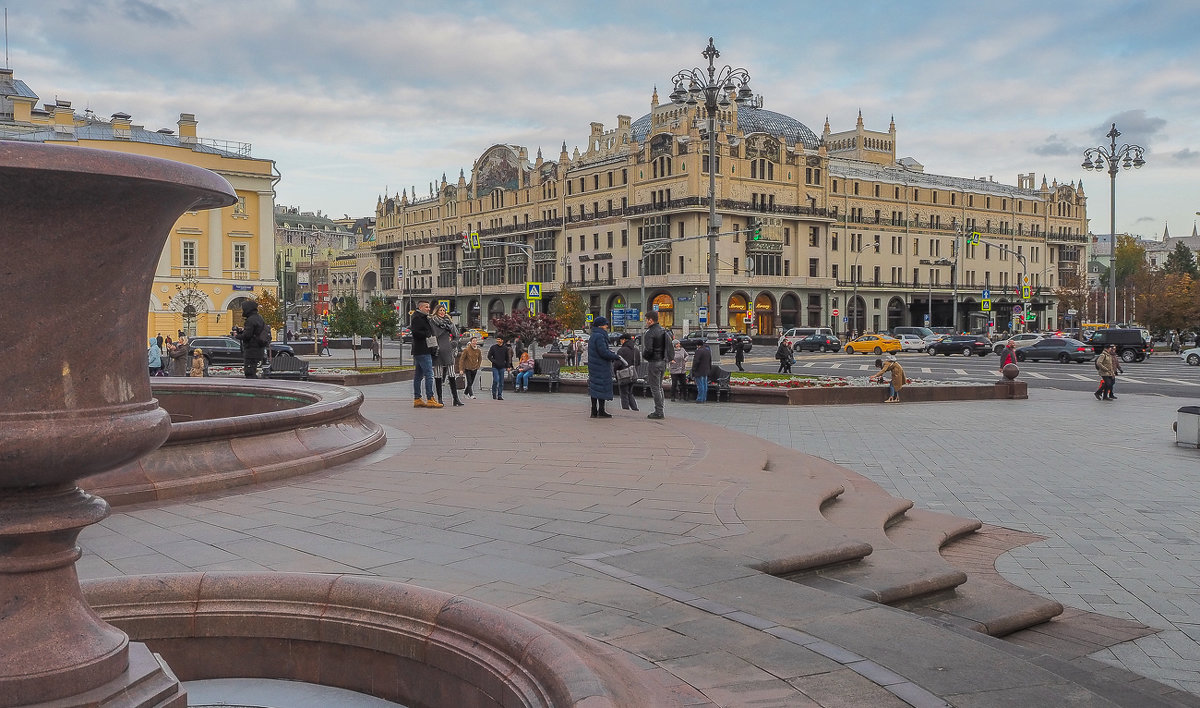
x: 384, y: 321
x: 1169, y: 301
x: 542, y: 328
x: 1181, y: 261
x: 1130, y: 257
x: 188, y: 300
x: 1072, y: 293
x: 348, y: 319
x: 569, y: 307
x: 270, y: 309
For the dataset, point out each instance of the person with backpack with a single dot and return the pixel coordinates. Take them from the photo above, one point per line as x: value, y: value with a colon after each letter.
x: 657, y: 351
x: 255, y: 337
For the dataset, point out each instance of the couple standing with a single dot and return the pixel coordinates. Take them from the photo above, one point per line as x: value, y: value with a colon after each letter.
x: 656, y: 350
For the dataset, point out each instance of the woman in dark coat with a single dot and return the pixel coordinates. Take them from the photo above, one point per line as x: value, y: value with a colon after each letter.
x: 600, y: 371
x: 629, y: 352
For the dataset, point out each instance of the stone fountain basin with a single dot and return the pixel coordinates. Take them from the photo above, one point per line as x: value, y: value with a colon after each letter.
x: 227, y: 433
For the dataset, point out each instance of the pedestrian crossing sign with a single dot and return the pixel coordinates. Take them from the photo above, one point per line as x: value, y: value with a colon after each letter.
x: 589, y: 318
x: 533, y: 291
x: 445, y: 304
x: 987, y: 305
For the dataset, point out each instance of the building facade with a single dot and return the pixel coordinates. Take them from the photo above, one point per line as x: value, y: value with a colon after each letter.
x: 307, y: 244
x: 213, y: 259
x: 853, y: 238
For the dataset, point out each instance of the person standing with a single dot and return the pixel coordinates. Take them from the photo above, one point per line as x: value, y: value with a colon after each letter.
x: 784, y: 355
x: 739, y: 352
x: 468, y: 362
x: 446, y: 333
x: 679, y: 371
x: 1108, y: 367
x: 424, y: 346
x: 891, y: 366
x: 154, y: 357
x: 632, y: 358
x: 600, y: 368
x: 701, y: 365
x: 179, y: 357
x: 657, y: 351
x: 199, y: 365
x: 500, y: 357
x: 255, y: 337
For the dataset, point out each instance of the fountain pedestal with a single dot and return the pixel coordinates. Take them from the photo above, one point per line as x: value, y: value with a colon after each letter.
x: 81, y: 234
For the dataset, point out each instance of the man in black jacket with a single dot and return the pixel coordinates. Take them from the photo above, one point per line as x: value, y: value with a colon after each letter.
x: 422, y: 354
x: 657, y: 351
x: 701, y: 368
x: 501, y: 358
x: 255, y: 338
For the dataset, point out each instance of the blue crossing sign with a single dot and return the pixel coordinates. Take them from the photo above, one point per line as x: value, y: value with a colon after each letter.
x: 533, y: 291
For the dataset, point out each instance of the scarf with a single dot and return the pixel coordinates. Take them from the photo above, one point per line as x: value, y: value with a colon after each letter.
x: 445, y: 323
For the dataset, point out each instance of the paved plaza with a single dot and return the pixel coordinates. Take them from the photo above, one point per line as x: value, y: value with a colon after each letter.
x: 624, y: 530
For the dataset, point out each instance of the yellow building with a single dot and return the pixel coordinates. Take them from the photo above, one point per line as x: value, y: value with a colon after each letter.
x: 855, y: 238
x: 213, y: 259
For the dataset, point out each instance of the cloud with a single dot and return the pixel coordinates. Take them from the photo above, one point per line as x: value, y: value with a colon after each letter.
x: 1135, y: 127
x: 1055, y: 146
x: 1143, y: 219
x: 1187, y: 155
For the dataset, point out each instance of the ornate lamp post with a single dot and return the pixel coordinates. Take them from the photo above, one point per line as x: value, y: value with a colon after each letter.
x: 1099, y: 158
x: 713, y: 91
x: 854, y: 301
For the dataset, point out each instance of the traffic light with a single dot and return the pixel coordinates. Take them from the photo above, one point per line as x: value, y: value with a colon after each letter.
x: 466, y: 246
x: 756, y: 230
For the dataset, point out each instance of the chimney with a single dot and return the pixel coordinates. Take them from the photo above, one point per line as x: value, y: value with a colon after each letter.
x: 187, y: 128
x: 121, y: 124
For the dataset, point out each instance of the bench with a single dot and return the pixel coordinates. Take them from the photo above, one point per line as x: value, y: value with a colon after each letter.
x: 718, y: 385
x: 286, y: 366
x: 544, y: 371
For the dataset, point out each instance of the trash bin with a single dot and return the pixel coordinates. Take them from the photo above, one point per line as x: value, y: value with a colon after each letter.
x: 1187, y: 426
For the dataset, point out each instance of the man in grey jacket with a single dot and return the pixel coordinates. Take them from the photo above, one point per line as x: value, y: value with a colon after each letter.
x: 657, y: 351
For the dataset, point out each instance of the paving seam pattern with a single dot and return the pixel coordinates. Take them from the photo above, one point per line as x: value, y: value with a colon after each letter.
x: 899, y: 686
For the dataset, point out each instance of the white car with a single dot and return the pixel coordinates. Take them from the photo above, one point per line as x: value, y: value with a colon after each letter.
x: 1023, y: 339
x: 911, y: 343
x: 1191, y: 356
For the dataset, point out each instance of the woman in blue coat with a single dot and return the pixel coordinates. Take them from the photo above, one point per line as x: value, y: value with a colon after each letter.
x: 600, y: 371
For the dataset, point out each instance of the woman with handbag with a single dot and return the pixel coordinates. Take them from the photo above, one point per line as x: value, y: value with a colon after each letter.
x: 444, y: 366
x: 627, y: 373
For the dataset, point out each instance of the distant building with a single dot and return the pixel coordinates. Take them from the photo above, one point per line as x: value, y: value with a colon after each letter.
x: 852, y: 231
x: 214, y: 259
x: 1157, y: 251
x: 306, y: 244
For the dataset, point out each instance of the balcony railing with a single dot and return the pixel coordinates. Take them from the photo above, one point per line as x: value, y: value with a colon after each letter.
x: 240, y: 274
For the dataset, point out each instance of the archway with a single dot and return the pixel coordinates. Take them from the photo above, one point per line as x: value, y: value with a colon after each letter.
x: 895, y: 313
x: 369, y: 284
x: 495, y: 309
x: 737, y: 308
x: 789, y: 311
x: 519, y: 305
x: 664, y: 304
x: 473, y: 313
x: 764, y: 314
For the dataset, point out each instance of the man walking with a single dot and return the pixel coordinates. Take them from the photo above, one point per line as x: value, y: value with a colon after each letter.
x: 501, y: 358
x: 701, y: 365
x: 739, y: 353
x: 657, y: 351
x: 424, y: 344
x: 1108, y: 367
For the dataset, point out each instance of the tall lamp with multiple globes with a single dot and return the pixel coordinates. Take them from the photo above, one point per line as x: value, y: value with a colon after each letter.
x: 712, y: 88
x: 1112, y: 158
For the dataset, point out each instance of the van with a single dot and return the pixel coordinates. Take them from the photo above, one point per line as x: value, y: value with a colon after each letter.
x: 921, y: 332
x: 1132, y: 344
x: 794, y: 334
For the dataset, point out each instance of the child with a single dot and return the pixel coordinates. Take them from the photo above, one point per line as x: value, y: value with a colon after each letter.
x: 199, y: 366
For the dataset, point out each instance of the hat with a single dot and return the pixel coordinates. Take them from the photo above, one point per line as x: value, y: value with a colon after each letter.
x: 600, y: 322
x: 891, y: 357
x: 625, y: 336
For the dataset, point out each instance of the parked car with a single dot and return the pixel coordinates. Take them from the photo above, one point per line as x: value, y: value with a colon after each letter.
x: 795, y: 334
x: 965, y: 344
x: 1060, y: 349
x: 745, y: 339
x: 873, y: 344
x: 933, y: 339
x: 943, y: 330
x: 921, y: 332
x: 717, y: 341
x: 1132, y: 344
x: 817, y: 343
x: 911, y: 343
x: 1023, y: 339
x: 227, y: 351
x: 1191, y: 356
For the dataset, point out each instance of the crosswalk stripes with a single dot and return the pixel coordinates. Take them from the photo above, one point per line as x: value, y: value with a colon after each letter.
x: 1127, y: 379
x: 1035, y: 375
x: 1081, y: 377
x: 836, y: 366
x: 960, y: 372
x: 1178, y: 381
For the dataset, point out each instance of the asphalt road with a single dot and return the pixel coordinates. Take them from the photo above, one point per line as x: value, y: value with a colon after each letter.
x: 1160, y: 374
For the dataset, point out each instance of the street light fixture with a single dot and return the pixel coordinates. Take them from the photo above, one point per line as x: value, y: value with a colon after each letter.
x: 713, y: 91
x: 854, y: 301
x: 1099, y: 158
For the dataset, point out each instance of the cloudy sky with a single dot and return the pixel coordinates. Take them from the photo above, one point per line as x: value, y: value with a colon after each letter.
x: 355, y: 97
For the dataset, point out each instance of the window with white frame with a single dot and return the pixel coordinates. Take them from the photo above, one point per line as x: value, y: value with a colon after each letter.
x: 188, y: 259
x: 239, y: 207
x: 239, y: 256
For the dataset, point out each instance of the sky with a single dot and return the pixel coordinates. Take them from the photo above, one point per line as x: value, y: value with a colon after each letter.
x: 357, y: 98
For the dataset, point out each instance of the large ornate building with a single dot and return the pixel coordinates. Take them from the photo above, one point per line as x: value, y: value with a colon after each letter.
x: 214, y: 259
x: 855, y: 239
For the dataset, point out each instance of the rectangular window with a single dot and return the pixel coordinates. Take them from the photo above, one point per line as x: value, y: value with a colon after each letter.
x: 188, y: 259
x: 814, y: 236
x: 833, y: 242
x: 814, y: 267
x: 735, y: 264
x: 610, y: 239
x: 624, y: 264
x: 596, y: 241
x: 239, y: 207
x: 681, y: 265
x: 624, y: 237
x: 239, y: 256
x: 833, y: 271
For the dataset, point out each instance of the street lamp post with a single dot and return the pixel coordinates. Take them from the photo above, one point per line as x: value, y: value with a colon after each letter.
x: 854, y: 300
x: 1099, y: 158
x: 713, y: 90
x: 312, y: 300
x: 650, y: 248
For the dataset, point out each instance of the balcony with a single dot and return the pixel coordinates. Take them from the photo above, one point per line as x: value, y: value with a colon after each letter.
x: 239, y: 274
x: 185, y: 271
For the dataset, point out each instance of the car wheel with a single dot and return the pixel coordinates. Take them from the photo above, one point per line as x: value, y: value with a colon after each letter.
x: 878, y: 350
x: 1128, y: 356
x: 1020, y: 356
x: 932, y: 351
x: 1193, y: 360
x: 1063, y: 358
x: 849, y: 350
x: 967, y: 351
x: 796, y: 348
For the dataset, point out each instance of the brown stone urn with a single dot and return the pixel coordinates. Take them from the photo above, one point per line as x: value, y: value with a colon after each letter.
x: 80, y: 235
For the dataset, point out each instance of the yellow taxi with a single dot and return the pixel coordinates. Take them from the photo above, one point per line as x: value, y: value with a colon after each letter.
x: 473, y: 333
x: 872, y: 344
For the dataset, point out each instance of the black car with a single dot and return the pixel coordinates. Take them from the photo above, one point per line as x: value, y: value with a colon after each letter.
x: 965, y: 344
x: 716, y: 340
x: 734, y: 337
x: 817, y: 343
x: 1131, y: 344
x: 227, y: 351
x: 1060, y: 349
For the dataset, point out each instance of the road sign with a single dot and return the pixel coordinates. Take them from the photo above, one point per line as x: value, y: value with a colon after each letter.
x: 475, y: 239
x: 927, y: 319
x: 1024, y: 292
x: 533, y: 291
x: 656, y: 307
x: 702, y: 315
x: 749, y: 318
x: 973, y: 239
x: 589, y: 318
x: 445, y: 304
x: 986, y: 306
x: 987, y: 294
x: 1017, y: 309
x: 1024, y: 280
x: 835, y: 312
x: 845, y: 320
x: 1072, y: 313
x: 399, y: 272
x: 618, y: 318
